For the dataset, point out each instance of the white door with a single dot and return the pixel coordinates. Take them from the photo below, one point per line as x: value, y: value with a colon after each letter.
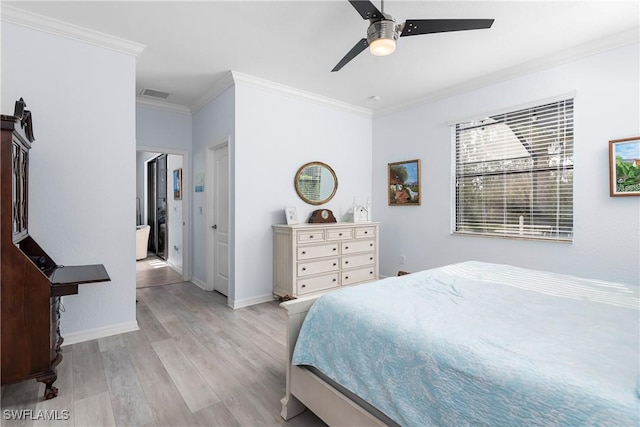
x: 220, y: 220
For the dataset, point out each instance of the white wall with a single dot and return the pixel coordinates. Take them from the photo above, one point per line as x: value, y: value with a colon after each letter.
x: 82, y: 170
x: 275, y: 135
x: 606, y: 230
x: 163, y: 129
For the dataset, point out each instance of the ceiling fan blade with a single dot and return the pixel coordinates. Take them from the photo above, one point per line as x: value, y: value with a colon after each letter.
x: 366, y: 9
x: 359, y: 47
x: 414, y: 27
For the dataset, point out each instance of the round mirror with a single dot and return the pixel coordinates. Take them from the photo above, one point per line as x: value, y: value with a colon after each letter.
x: 316, y: 183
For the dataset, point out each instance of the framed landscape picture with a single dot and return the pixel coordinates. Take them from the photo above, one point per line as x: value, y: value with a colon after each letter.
x: 624, y: 167
x: 404, y: 183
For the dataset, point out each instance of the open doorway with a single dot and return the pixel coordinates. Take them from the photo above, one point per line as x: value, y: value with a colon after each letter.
x: 161, y: 212
x: 157, y: 203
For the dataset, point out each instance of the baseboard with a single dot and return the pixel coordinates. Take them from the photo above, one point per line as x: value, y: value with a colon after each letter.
x: 199, y: 283
x: 92, y: 334
x: 177, y: 268
x: 235, y: 304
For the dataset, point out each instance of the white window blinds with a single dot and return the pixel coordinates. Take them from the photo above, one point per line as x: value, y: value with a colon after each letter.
x: 309, y: 182
x: 514, y: 174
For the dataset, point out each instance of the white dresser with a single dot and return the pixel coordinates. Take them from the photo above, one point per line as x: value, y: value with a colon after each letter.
x: 310, y: 258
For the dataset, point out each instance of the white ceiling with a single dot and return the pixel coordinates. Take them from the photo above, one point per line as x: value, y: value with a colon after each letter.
x: 192, y: 45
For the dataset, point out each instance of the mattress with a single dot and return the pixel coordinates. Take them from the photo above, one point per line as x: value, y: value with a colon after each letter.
x: 482, y: 344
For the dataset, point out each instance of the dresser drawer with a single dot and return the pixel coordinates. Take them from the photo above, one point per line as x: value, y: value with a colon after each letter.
x: 314, y: 284
x: 358, y: 260
x: 308, y: 252
x: 317, y: 267
x: 340, y: 234
x: 365, y: 232
x: 311, y: 236
x: 359, y: 275
x: 355, y: 246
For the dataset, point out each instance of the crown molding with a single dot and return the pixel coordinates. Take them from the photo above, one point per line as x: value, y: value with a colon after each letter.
x: 222, y: 84
x: 298, y: 93
x: 74, y: 32
x: 232, y: 78
x: 162, y: 105
x: 614, y: 41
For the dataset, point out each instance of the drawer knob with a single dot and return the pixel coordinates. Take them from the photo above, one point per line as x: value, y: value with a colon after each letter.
x: 311, y: 237
x: 335, y: 249
x: 304, y: 286
x: 334, y: 264
x: 304, y: 252
x: 371, y: 244
x: 347, y: 278
x: 304, y: 268
x: 334, y: 280
x: 371, y: 272
x: 339, y: 234
x: 346, y: 247
x: 370, y: 258
x: 346, y: 262
x: 366, y: 232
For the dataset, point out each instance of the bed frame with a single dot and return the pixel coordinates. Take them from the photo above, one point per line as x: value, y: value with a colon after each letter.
x: 307, y: 390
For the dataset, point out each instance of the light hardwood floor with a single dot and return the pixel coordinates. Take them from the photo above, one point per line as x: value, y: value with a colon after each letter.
x: 154, y: 271
x: 194, y: 362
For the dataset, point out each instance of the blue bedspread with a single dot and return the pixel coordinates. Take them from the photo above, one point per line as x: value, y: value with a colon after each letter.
x: 482, y: 344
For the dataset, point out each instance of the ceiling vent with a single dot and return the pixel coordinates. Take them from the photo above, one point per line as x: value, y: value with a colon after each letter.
x: 155, y: 93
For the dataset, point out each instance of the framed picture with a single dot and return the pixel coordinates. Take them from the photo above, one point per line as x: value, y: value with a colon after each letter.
x: 292, y: 215
x: 199, y: 182
x: 177, y: 184
x: 404, y: 183
x: 624, y: 167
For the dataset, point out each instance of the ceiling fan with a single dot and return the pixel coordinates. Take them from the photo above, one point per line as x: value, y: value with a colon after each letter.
x: 383, y: 31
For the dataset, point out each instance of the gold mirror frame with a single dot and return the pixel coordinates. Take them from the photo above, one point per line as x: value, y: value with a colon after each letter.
x: 296, y: 182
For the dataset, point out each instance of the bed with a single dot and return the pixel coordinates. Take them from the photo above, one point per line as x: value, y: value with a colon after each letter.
x: 467, y: 344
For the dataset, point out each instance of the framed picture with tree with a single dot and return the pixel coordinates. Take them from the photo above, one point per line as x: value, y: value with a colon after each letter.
x: 624, y: 167
x: 404, y: 183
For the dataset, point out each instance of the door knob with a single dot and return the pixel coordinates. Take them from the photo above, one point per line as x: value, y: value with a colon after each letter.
x: 214, y: 226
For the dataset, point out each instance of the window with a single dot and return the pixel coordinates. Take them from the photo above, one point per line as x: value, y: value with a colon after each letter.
x: 310, y: 182
x: 514, y: 174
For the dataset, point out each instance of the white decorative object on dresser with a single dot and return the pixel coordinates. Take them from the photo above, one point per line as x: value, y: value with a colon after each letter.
x: 310, y: 258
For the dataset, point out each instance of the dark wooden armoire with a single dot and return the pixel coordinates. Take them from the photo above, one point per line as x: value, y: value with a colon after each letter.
x: 31, y: 282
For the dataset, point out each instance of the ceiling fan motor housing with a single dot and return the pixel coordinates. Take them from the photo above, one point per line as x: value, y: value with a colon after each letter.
x: 383, y: 29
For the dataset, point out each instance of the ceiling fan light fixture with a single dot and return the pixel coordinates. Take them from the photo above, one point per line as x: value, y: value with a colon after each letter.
x: 382, y: 36
x: 382, y: 47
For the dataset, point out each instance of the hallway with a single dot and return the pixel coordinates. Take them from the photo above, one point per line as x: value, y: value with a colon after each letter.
x: 154, y: 271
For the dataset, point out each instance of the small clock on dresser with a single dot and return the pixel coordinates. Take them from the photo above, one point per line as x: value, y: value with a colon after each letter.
x: 322, y: 216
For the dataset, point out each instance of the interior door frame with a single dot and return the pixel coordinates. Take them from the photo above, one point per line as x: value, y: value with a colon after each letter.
x: 210, y: 165
x: 186, y: 203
